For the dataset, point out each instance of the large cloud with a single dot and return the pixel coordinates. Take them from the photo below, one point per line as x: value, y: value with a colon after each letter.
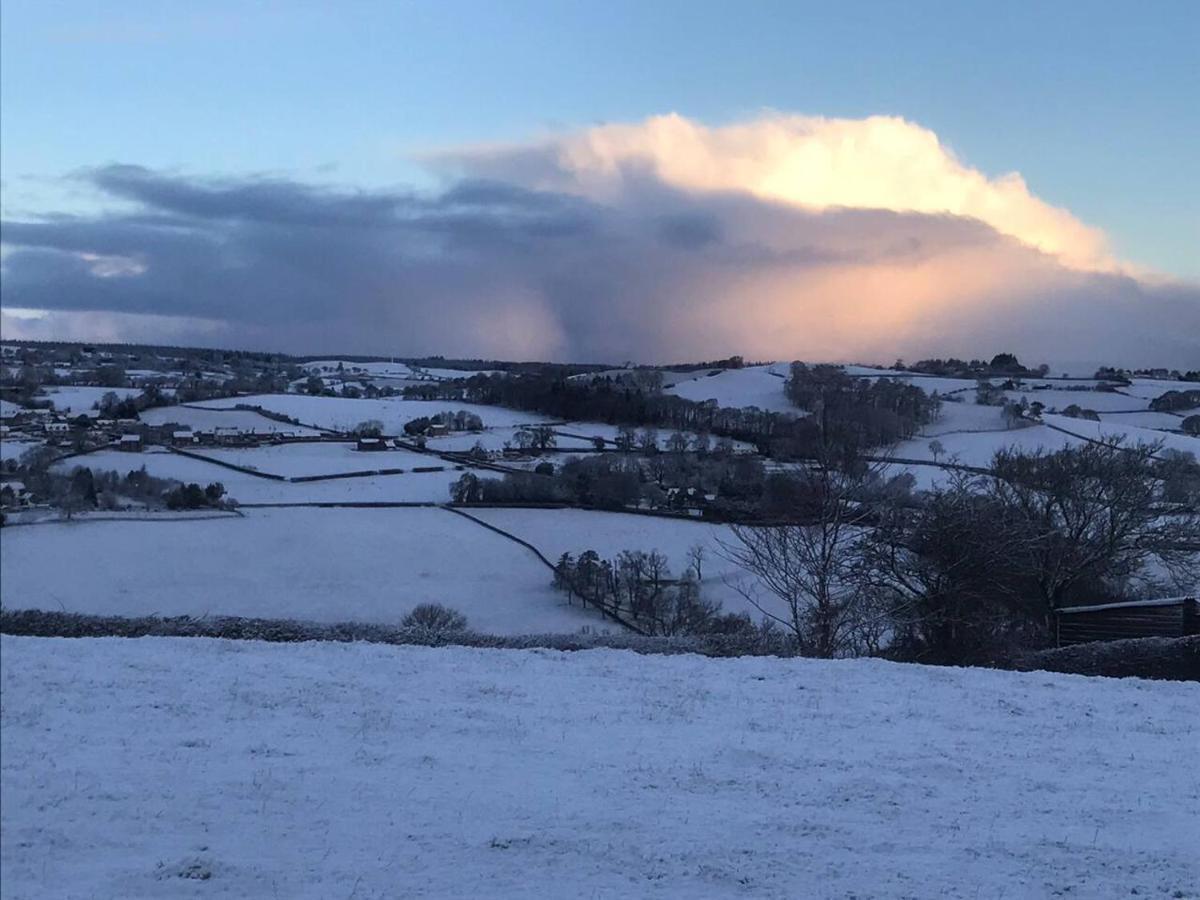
x: 663, y: 241
x: 876, y: 163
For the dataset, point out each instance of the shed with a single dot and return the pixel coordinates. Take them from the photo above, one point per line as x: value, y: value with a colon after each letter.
x: 1166, y: 617
x: 131, y: 443
x: 371, y: 443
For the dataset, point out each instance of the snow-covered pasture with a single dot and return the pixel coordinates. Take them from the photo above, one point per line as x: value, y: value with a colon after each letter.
x: 328, y: 565
x: 14, y: 450
x: 170, y: 767
x: 558, y: 531
x: 1131, y: 434
x: 978, y: 448
x: 965, y: 416
x: 1150, y: 388
x: 1100, y: 401
x: 80, y: 399
x: 343, y: 414
x: 209, y: 419
x: 1158, y: 421
x: 316, y: 458
x: 410, y: 487
x: 759, y: 386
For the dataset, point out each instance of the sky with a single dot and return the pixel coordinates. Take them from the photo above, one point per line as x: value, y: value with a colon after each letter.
x: 202, y: 171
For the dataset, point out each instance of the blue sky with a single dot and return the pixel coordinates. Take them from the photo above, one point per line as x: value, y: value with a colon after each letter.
x: 1095, y: 104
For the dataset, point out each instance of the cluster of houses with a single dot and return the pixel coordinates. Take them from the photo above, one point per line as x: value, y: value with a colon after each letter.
x: 20, y: 423
x: 63, y: 429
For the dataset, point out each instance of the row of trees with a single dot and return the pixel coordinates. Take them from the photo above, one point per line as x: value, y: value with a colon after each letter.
x: 637, y: 587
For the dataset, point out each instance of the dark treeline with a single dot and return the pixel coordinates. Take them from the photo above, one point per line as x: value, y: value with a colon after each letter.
x: 1002, y: 364
x: 849, y: 413
x: 717, y: 484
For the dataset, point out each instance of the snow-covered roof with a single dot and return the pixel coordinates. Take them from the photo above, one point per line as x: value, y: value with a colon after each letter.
x: 1128, y: 604
x: 130, y: 438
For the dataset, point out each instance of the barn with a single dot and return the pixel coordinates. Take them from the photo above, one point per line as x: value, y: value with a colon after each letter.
x: 1167, y: 617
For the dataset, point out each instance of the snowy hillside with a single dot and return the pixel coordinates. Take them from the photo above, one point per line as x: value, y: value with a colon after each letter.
x: 201, y: 768
x: 760, y: 386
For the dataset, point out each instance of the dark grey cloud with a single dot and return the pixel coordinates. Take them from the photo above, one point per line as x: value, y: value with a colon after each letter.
x: 488, y: 267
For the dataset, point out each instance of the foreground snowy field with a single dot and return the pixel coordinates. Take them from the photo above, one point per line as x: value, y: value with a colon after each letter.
x: 329, y: 565
x: 197, y: 768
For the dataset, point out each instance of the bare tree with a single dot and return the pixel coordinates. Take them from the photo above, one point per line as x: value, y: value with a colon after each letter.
x: 1093, y: 513
x: 696, y: 555
x: 946, y: 575
x: 810, y: 569
x: 677, y: 442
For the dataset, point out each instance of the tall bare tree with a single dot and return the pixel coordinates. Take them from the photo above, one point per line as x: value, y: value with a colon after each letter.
x: 1094, y: 513
x: 806, y: 572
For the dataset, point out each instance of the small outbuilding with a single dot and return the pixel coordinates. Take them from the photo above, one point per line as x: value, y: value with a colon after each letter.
x: 130, y: 443
x: 1167, y: 617
x: 371, y: 443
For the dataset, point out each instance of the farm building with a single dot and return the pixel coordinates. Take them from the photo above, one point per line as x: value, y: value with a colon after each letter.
x: 1168, y: 617
x: 232, y: 436
x: 371, y: 443
x: 14, y: 494
x: 130, y: 443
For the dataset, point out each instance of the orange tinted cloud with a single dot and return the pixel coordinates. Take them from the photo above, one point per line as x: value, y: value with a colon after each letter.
x: 881, y: 162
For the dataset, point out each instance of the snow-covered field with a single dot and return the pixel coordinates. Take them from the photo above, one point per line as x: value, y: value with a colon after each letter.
x: 752, y: 386
x: 978, y: 448
x: 343, y: 414
x: 1131, y: 433
x: 1100, y: 401
x: 411, y: 487
x: 329, y: 565
x: 558, y: 531
x: 16, y: 449
x: 208, y: 419
x: 966, y: 416
x: 81, y: 399
x: 322, y: 458
x: 1157, y: 420
x: 200, y: 768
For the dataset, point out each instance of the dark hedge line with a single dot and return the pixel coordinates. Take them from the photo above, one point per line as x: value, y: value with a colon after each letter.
x: 39, y: 623
x: 1166, y: 659
x: 1170, y: 659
